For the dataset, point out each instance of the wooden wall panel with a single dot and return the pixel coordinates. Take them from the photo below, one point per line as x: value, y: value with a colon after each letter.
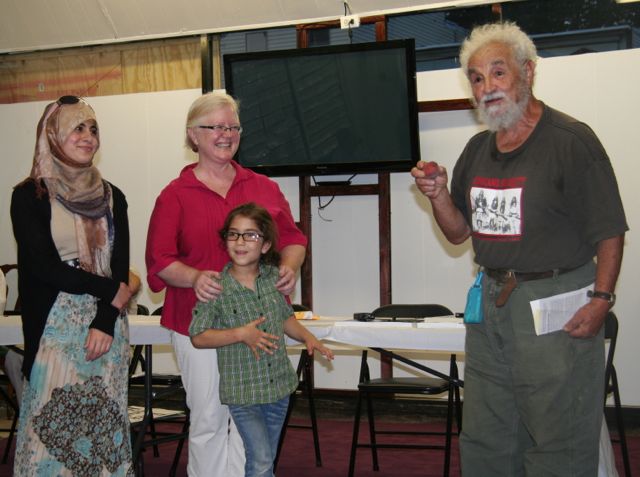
x: 42, y: 77
x: 101, y: 71
x: 173, y: 66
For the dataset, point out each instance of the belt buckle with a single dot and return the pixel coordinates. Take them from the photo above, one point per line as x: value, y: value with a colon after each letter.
x: 504, y: 276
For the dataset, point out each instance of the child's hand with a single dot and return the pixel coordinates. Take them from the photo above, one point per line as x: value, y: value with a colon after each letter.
x: 314, y: 344
x: 256, y: 339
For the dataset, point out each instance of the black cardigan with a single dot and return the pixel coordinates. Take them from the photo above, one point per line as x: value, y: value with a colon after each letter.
x: 42, y: 274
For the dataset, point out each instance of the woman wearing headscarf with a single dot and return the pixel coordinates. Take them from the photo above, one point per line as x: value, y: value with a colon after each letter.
x: 72, y: 232
x: 184, y: 257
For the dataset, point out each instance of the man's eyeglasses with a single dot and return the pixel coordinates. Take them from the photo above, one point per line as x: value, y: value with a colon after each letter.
x: 219, y: 128
x: 246, y: 236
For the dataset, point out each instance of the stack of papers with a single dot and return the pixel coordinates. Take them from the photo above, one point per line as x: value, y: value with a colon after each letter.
x: 305, y: 315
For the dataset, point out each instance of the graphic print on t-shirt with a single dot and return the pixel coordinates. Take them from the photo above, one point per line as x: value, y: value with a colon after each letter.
x: 496, y: 207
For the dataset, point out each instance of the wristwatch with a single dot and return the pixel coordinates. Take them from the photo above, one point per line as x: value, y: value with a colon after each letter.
x: 609, y: 297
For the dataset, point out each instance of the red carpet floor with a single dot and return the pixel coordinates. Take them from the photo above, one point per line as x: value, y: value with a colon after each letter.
x: 335, y: 445
x: 335, y: 442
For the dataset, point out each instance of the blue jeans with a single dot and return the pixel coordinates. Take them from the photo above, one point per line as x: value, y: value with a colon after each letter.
x: 260, y: 426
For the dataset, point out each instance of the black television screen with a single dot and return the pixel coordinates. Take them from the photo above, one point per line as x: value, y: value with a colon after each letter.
x: 327, y: 110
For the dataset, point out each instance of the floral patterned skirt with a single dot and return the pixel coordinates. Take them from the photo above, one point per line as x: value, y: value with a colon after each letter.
x: 73, y: 417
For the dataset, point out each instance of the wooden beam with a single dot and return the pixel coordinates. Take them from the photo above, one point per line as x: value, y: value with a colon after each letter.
x: 445, y: 105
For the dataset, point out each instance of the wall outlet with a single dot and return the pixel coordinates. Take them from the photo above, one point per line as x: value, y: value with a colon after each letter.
x: 349, y: 21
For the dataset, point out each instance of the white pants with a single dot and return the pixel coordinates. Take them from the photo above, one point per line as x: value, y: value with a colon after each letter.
x: 215, y: 446
x: 607, y: 463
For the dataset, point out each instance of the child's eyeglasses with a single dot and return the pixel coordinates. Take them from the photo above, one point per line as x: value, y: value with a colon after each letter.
x: 246, y: 236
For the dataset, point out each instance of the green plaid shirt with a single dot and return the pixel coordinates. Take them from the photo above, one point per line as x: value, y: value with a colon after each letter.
x: 243, y: 379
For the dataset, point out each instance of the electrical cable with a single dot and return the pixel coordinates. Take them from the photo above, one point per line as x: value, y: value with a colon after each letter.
x: 322, y: 206
x: 347, y: 11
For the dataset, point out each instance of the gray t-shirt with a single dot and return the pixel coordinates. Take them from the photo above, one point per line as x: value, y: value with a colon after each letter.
x: 543, y: 206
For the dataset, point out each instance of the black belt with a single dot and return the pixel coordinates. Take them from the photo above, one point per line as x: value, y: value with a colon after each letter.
x: 510, y: 278
x: 502, y: 275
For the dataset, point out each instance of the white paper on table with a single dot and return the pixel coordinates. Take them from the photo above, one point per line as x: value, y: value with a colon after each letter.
x: 377, y: 324
x: 551, y: 313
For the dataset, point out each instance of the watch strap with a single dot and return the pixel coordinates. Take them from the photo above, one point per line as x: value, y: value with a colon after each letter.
x: 609, y: 297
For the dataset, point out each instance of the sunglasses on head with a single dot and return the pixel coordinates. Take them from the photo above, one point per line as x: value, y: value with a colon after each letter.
x: 68, y: 100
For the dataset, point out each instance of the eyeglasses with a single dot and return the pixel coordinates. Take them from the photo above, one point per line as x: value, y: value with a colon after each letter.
x: 68, y: 100
x: 219, y: 128
x: 246, y: 236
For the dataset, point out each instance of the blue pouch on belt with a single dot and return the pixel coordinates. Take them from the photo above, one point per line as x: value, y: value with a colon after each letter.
x: 473, y: 310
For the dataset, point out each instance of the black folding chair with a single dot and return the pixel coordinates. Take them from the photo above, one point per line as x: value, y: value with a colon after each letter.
x: 157, y: 387
x: 611, y: 388
x: 423, y: 385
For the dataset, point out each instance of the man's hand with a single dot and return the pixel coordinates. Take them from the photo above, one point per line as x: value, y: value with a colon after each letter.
x: 430, y: 178
x: 588, y: 320
x: 207, y: 285
x: 97, y: 344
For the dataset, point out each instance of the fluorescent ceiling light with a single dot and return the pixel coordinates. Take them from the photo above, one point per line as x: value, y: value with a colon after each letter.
x: 627, y: 1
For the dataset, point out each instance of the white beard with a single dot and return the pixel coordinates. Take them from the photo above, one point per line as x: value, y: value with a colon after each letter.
x: 512, y: 111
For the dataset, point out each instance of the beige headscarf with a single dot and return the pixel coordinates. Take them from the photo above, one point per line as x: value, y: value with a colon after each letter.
x: 78, y: 187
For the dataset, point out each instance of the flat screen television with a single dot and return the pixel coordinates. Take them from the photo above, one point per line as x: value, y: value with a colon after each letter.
x: 327, y: 110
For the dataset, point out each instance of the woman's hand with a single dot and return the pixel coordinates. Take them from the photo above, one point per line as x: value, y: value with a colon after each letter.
x: 122, y: 297
x: 257, y: 339
x: 207, y: 285
x: 286, y: 284
x: 97, y: 344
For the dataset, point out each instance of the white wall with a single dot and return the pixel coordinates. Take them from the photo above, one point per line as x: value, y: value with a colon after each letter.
x: 142, y: 150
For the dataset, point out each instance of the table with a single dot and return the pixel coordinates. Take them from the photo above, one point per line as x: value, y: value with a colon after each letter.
x: 142, y: 330
x: 434, y: 335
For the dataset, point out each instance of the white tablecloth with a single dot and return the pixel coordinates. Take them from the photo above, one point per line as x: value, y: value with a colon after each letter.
x: 142, y: 330
x: 433, y: 336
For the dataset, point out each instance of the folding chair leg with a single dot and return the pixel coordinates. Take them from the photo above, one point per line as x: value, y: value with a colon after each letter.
x: 314, y: 421
x: 283, y: 432
x: 139, y: 467
x: 447, y: 443
x: 372, y: 433
x: 176, y: 457
x: 458, y: 405
x: 12, y: 432
x: 154, y: 435
x: 354, y: 440
x: 620, y: 424
x: 305, y: 381
x: 136, y: 358
x: 456, y: 397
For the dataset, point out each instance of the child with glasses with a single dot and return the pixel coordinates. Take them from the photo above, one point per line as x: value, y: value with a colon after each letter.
x: 247, y: 324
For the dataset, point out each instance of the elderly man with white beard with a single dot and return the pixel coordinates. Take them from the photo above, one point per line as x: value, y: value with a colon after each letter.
x: 532, y: 400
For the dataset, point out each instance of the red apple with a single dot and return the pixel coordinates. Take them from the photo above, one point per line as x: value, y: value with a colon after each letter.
x: 431, y: 169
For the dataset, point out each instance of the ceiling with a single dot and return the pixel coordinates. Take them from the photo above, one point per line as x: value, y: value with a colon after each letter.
x: 30, y: 25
